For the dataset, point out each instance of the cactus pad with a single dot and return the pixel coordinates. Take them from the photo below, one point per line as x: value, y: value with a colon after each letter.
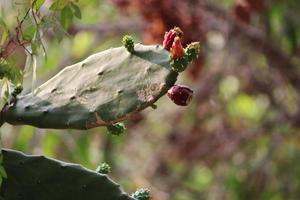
x: 105, y: 88
x: 41, y: 178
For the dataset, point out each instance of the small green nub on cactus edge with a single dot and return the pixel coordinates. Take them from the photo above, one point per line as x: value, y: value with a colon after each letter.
x: 104, y: 168
x: 128, y: 43
x: 141, y: 194
x: 116, y: 129
x: 154, y: 106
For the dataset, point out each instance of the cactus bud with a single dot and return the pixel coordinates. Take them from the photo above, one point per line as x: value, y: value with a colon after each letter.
x: 116, y: 129
x: 128, y: 43
x: 104, y: 168
x: 177, y: 50
x: 169, y: 37
x: 17, y: 90
x: 141, y: 194
x: 180, y: 94
x: 192, y: 51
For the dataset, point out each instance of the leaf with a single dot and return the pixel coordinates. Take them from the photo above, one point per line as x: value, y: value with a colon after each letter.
x: 3, y: 172
x: 3, y: 37
x: 66, y: 17
x: 4, y: 32
x: 50, y: 22
x: 58, y: 5
x: 38, y: 4
x: 76, y: 10
x: 29, y: 33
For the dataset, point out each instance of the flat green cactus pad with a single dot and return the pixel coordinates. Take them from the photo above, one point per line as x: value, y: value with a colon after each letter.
x: 103, y: 89
x: 41, y: 178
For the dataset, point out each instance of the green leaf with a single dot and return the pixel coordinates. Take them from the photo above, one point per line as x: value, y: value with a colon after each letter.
x: 59, y: 5
x: 76, y: 10
x: 66, y: 17
x: 3, y: 172
x: 4, y: 31
x: 3, y: 37
x: 29, y: 32
x: 38, y: 4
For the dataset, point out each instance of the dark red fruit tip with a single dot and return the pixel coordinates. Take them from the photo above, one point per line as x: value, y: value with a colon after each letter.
x: 180, y: 94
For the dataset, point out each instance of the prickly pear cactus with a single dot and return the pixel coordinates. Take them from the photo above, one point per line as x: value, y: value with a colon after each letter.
x: 105, y: 88
x: 38, y: 177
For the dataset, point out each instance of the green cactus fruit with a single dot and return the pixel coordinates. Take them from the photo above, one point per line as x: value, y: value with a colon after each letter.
x: 192, y: 51
x: 104, y: 168
x: 103, y: 89
x: 128, y: 43
x: 141, y: 194
x: 41, y: 178
x: 116, y: 129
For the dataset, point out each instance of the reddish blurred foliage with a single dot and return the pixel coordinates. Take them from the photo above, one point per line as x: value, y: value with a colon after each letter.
x: 256, y: 5
x: 242, y: 11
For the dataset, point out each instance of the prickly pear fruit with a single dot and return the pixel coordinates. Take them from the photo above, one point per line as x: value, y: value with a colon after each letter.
x: 180, y: 94
x: 169, y: 37
x: 177, y: 50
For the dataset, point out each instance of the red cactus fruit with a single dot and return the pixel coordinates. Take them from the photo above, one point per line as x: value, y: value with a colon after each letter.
x: 180, y: 94
x: 169, y: 37
x: 177, y: 50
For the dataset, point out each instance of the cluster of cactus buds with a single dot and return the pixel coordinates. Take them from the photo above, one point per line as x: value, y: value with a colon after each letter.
x: 128, y: 43
x: 180, y: 58
x: 141, y: 194
x: 116, y: 129
x: 104, y: 168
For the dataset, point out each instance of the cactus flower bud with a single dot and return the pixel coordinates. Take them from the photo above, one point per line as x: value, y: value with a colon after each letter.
x: 177, y: 50
x: 128, y: 43
x: 141, y: 194
x: 104, y: 168
x: 180, y: 94
x: 116, y: 129
x: 169, y: 37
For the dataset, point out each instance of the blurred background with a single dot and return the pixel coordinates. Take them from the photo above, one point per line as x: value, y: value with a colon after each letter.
x: 238, y: 139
